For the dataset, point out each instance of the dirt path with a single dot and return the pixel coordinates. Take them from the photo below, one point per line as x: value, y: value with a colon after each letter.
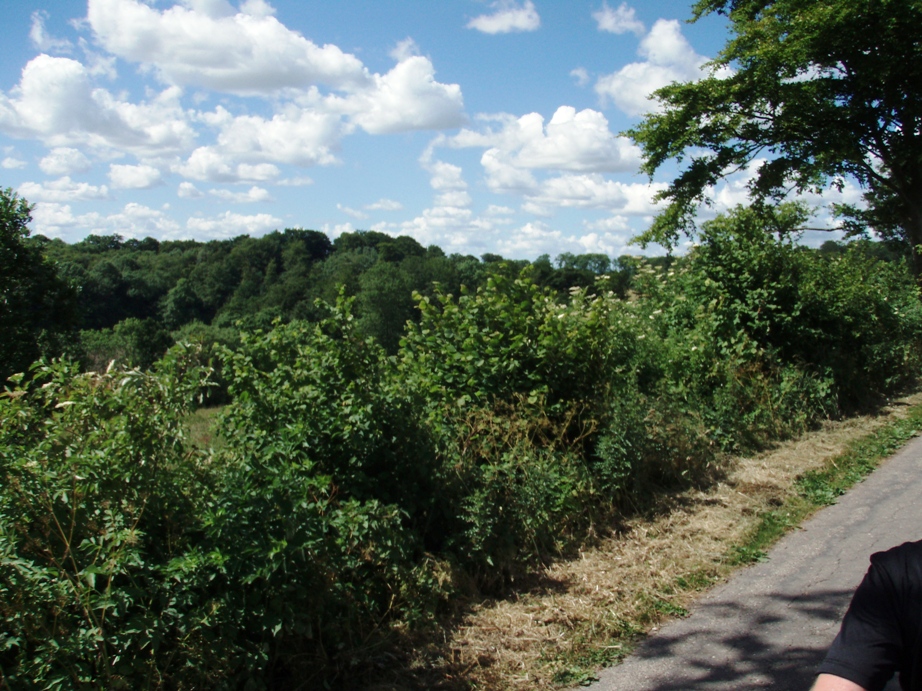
x: 769, y: 626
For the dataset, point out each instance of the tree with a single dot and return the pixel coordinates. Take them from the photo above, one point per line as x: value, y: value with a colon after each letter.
x: 812, y: 92
x: 37, y: 308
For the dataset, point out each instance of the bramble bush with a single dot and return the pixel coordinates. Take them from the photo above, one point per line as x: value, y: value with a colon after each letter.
x: 355, y: 491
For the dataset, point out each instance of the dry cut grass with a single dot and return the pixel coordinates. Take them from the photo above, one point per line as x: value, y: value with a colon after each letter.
x: 585, y: 612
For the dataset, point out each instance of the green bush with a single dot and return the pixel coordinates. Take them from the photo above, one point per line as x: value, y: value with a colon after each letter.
x: 98, y: 499
x: 356, y: 489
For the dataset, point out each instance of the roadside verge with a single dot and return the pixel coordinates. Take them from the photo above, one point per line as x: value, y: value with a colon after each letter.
x: 587, y: 613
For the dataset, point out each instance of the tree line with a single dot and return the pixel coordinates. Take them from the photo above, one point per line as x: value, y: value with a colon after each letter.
x: 108, y: 297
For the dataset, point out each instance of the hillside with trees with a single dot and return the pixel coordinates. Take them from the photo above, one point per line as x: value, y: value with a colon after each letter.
x: 402, y: 429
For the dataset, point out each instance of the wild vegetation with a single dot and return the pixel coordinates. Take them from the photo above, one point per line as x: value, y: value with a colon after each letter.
x: 401, y: 427
x: 360, y: 488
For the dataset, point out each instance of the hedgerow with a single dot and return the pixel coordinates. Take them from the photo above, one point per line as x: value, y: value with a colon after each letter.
x: 357, y: 492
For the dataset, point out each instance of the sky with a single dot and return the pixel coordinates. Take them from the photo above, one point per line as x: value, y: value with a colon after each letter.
x: 473, y: 125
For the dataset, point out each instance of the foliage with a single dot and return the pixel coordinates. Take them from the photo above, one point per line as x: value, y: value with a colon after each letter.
x: 809, y: 92
x: 366, y: 472
x: 98, y: 497
x: 37, y: 308
x: 132, y: 342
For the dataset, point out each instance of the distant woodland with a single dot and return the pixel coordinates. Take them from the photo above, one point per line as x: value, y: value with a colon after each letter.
x: 132, y: 299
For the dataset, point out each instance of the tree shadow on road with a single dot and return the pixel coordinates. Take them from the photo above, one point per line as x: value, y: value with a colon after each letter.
x: 778, y: 645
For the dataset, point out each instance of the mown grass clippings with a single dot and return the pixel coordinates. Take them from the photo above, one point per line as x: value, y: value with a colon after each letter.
x: 822, y: 487
x: 587, y: 613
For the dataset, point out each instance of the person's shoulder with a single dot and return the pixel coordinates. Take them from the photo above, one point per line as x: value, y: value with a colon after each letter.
x: 902, y: 559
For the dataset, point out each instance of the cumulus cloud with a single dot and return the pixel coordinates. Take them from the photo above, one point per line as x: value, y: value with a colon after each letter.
x: 62, y: 190
x: 354, y: 213
x: 42, y: 40
x: 254, y: 194
x: 141, y: 177
x: 300, y: 181
x: 385, y: 205
x: 229, y: 225
x: 207, y: 44
x: 668, y: 58
x: 532, y: 240
x: 407, y: 98
x: 571, y: 140
x: 592, y: 191
x: 610, y: 224
x: 580, y: 75
x: 209, y: 164
x: 64, y: 161
x: 293, y: 135
x: 508, y: 16
x: 578, y: 141
x: 10, y: 163
x: 187, y: 190
x: 614, y: 243
x: 618, y: 21
x: 56, y: 102
x: 58, y: 220
x: 211, y: 44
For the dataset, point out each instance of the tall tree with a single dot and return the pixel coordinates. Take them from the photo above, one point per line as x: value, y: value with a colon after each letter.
x: 819, y: 91
x: 37, y: 308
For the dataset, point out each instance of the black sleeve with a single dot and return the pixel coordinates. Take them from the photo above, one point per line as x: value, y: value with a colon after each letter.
x: 868, y: 648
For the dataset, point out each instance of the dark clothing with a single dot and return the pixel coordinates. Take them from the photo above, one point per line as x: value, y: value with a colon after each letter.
x: 882, y: 630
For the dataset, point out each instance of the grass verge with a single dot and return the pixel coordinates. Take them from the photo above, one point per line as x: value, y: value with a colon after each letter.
x: 821, y: 487
x: 589, y: 612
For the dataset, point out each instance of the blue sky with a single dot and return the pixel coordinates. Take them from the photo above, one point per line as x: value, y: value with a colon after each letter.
x: 477, y: 126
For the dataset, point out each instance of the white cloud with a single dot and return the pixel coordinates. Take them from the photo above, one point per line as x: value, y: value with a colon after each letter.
x: 385, y: 205
x: 62, y: 190
x: 210, y: 44
x: 228, y: 225
x: 497, y: 210
x: 580, y: 75
x: 295, y: 182
x: 42, y: 40
x: 592, y: 191
x: 576, y: 141
x: 442, y: 176
x: 64, y: 161
x: 334, y: 231
x: 406, y: 98
x: 134, y: 221
x: 616, y: 223
x: 211, y: 165
x: 354, y: 213
x: 254, y: 194
x: 508, y: 16
x: 57, y: 103
x: 618, y: 21
x: 614, y: 244
x: 206, y: 44
x: 503, y: 176
x: 187, y: 190
x: 141, y: 177
x: 532, y: 240
x: 249, y: 146
x: 10, y: 163
x: 668, y: 58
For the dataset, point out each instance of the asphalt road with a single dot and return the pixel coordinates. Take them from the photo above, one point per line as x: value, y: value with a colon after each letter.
x: 770, y: 625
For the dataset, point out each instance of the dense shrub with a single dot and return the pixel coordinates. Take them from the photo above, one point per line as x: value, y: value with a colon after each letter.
x: 99, y: 496
x: 354, y: 489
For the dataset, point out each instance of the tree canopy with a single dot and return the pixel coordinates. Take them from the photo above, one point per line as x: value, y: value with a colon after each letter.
x: 37, y: 308
x: 812, y: 92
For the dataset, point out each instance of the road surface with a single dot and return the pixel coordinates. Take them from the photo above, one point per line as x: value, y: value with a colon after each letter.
x: 770, y: 625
